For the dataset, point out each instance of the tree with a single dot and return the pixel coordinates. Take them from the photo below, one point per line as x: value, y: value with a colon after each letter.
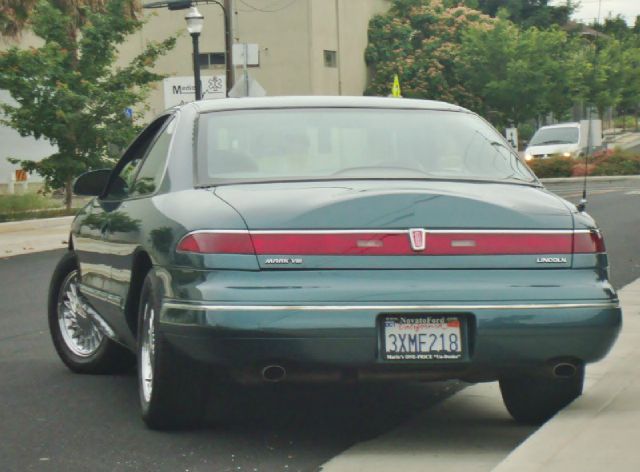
x: 419, y: 40
x: 521, y: 74
x: 14, y: 14
x: 604, y: 75
x: 614, y: 26
x: 527, y: 13
x: 69, y: 92
x: 630, y: 96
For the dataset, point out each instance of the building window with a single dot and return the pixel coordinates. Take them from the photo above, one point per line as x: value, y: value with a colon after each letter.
x: 211, y: 60
x: 330, y: 58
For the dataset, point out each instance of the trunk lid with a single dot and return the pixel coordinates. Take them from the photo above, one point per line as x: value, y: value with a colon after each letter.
x: 383, y: 225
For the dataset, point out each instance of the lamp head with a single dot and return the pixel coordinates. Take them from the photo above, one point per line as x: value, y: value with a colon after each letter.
x: 195, y: 21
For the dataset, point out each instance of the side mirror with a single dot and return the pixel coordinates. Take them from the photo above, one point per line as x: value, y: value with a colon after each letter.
x: 92, y: 183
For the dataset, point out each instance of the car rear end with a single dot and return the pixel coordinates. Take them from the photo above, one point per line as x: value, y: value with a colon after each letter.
x: 378, y: 239
x: 467, y: 306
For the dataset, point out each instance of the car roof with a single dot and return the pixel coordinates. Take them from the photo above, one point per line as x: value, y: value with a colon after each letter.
x: 561, y: 125
x: 205, y: 106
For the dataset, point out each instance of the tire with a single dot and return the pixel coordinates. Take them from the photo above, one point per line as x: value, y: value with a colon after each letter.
x: 171, y: 387
x: 78, y: 341
x: 533, y: 400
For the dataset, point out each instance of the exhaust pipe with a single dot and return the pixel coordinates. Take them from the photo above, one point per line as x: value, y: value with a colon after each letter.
x: 564, y: 370
x: 273, y: 373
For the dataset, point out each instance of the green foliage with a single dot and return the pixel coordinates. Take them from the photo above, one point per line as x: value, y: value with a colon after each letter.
x: 616, y: 163
x: 69, y: 91
x: 520, y: 74
x: 630, y: 94
x: 619, y: 163
x: 526, y: 131
x: 615, y: 27
x: 552, y: 167
x: 420, y: 41
x: 603, y: 78
x: 625, y: 122
x: 28, y: 201
x: 15, y: 14
x: 527, y: 13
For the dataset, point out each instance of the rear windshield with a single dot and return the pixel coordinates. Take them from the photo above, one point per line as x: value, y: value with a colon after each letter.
x: 339, y: 144
x: 563, y: 135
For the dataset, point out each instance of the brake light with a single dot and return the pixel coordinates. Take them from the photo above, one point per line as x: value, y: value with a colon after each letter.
x: 216, y: 243
x: 587, y: 243
x: 394, y: 242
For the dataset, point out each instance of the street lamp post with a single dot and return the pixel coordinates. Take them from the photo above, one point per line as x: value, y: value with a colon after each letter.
x: 226, y: 10
x: 195, y: 22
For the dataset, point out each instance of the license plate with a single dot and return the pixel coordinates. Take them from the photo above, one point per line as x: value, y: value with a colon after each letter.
x: 423, y: 337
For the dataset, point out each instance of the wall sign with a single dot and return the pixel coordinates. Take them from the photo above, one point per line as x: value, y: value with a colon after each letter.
x: 181, y: 90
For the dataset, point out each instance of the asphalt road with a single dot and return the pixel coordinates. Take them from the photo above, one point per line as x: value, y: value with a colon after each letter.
x: 53, y: 420
x: 616, y: 207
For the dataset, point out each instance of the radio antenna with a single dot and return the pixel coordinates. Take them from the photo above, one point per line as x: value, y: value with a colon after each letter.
x: 583, y: 202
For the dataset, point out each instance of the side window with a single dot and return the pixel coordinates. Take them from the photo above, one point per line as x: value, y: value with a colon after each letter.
x: 152, y: 168
x: 127, y: 169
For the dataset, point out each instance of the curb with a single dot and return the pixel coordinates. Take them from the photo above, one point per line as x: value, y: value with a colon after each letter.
x: 596, y: 178
x: 38, y: 223
x: 598, y: 431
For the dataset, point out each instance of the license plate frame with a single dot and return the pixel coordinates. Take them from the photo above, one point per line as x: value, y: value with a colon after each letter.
x: 425, y: 324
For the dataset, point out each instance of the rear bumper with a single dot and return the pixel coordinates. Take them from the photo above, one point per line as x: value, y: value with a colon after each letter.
x: 343, y: 340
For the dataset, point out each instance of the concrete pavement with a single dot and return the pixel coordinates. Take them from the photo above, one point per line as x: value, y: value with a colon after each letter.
x: 625, y: 140
x: 23, y: 237
x: 600, y: 430
x: 472, y: 431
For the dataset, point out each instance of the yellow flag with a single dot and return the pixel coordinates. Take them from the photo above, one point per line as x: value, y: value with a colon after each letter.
x: 395, y: 90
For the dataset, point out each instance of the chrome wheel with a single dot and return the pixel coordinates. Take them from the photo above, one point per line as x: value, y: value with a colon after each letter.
x: 79, y: 332
x: 147, y: 353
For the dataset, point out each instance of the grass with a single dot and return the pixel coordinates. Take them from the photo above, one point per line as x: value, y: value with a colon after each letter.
x: 26, y: 202
x: 32, y: 205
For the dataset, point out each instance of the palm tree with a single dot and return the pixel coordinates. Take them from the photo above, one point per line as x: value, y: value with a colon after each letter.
x: 14, y: 14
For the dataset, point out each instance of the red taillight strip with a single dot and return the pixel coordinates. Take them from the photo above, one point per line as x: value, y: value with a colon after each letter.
x: 438, y: 244
x: 212, y: 242
x: 588, y: 242
x: 392, y: 242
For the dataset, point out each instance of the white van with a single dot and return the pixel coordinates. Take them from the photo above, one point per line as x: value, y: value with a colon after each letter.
x: 564, y: 139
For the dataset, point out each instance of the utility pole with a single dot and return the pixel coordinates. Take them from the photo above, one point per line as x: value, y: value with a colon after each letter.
x: 339, y: 49
x: 228, y: 43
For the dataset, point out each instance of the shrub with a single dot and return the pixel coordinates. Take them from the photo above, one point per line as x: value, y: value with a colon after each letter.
x: 552, y: 167
x: 618, y: 163
x: 611, y: 162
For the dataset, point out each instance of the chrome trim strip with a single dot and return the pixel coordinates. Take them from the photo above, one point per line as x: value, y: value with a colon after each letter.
x: 390, y: 231
x: 331, y: 231
x: 168, y: 304
x: 508, y: 231
x: 101, y: 295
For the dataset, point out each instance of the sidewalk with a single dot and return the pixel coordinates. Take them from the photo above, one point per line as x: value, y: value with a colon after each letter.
x: 472, y: 431
x: 601, y: 430
x: 23, y: 237
x: 623, y: 139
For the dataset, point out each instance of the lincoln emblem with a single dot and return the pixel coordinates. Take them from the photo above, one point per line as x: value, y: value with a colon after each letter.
x: 417, y: 238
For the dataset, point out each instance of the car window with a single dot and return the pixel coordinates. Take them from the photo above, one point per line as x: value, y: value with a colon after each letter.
x: 126, y: 170
x: 341, y: 143
x: 558, y: 135
x: 152, y: 168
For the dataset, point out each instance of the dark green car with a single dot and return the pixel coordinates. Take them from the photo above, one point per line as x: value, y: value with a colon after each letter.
x: 317, y: 239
